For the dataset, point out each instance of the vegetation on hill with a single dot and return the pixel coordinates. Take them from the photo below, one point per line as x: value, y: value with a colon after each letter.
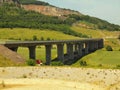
x: 29, y: 34
x: 13, y: 17
x: 101, y: 59
x: 96, y: 22
x: 33, y: 2
x: 96, y: 33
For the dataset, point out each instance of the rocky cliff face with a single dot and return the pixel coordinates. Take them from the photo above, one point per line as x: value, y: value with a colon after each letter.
x: 49, y: 10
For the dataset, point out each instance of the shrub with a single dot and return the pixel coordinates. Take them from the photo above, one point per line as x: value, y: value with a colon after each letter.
x: 42, y: 38
x: 58, y: 63
x: 109, y: 48
x: 35, y: 38
x: 83, y: 63
x: 119, y: 37
x: 31, y: 62
x: 24, y: 76
x: 100, y: 65
x: 48, y: 39
x: 118, y: 66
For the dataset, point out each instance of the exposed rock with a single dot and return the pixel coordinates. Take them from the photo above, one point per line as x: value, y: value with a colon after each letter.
x: 49, y: 10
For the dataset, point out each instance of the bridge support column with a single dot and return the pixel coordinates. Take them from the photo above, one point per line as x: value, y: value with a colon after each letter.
x: 70, y: 51
x: 48, y: 54
x: 80, y: 47
x: 96, y: 45
x: 76, y: 48
x: 86, y: 48
x: 60, y: 52
x: 100, y: 44
x: 91, y: 46
x: 32, y: 52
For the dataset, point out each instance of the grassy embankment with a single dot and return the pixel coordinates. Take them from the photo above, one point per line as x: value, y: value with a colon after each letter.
x: 27, y: 34
x: 102, y: 58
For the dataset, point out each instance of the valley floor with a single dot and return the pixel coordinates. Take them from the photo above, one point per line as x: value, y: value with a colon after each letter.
x: 58, y: 78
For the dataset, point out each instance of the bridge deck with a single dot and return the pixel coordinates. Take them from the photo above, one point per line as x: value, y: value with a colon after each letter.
x: 27, y: 43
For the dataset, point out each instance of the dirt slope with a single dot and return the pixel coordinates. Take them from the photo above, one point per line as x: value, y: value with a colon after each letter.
x: 9, y: 54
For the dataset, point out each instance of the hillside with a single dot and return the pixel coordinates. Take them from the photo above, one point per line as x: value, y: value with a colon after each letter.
x: 28, y: 34
x: 98, y: 33
x: 77, y: 18
x: 44, y: 16
x: 82, y: 20
x: 14, y: 17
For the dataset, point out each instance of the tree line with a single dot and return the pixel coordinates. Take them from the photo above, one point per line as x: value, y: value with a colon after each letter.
x: 26, y: 2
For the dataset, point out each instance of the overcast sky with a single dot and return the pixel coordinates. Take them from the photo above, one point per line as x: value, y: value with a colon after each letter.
x: 105, y: 9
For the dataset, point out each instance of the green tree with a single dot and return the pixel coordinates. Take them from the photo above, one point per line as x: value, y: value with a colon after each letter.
x: 109, y: 48
x: 83, y: 63
x: 48, y: 39
x: 42, y: 38
x: 31, y: 62
x: 35, y: 38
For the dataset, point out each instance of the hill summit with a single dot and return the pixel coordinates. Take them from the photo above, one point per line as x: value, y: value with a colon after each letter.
x: 10, y: 1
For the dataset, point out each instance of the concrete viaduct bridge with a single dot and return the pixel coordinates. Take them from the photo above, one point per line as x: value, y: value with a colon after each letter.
x: 75, y: 48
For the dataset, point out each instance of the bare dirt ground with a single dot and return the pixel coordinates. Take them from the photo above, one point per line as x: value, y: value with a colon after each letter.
x: 58, y: 78
x: 9, y: 54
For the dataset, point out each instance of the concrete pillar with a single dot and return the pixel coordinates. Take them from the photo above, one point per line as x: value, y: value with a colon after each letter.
x: 60, y: 52
x: 96, y: 45
x: 32, y: 52
x: 76, y: 48
x: 80, y: 47
x: 100, y: 44
x: 91, y: 46
x: 48, y: 54
x: 86, y: 48
x: 70, y: 52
